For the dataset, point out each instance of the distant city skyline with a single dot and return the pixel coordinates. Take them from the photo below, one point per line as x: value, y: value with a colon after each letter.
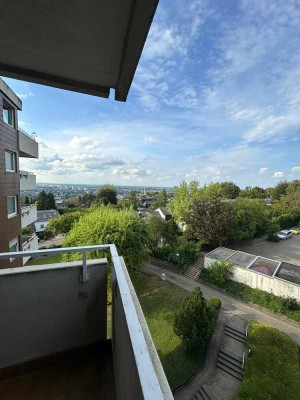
x: 215, y: 97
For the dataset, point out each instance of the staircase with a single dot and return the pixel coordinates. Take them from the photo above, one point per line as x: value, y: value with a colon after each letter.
x: 193, y: 270
x: 204, y: 393
x: 235, y: 334
x: 230, y: 363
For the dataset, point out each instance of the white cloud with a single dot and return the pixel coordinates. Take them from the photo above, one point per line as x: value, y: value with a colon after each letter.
x: 135, y: 173
x: 150, y: 139
x: 296, y: 169
x: 278, y: 174
x: 25, y: 96
x: 263, y: 170
x: 83, y: 142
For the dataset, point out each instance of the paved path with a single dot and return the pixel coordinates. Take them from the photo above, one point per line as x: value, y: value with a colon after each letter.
x: 231, y: 304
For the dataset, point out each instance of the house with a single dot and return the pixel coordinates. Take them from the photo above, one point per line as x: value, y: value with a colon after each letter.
x: 14, y: 143
x: 164, y: 213
x: 43, y: 218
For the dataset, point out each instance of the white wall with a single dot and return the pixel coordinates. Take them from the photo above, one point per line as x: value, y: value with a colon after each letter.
x: 275, y: 285
x: 28, y: 214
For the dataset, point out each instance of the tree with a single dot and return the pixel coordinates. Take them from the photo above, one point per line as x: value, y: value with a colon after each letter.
x: 106, y: 224
x: 26, y: 200
x: 160, y: 200
x: 229, y: 190
x: 184, y: 195
x: 252, y: 217
x: 253, y: 193
x: 211, y: 221
x: 50, y: 202
x: 41, y: 200
x: 160, y: 230
x: 293, y: 186
x: 45, y: 201
x: 219, y: 272
x: 279, y: 190
x: 107, y: 194
x: 194, y: 321
x: 64, y: 223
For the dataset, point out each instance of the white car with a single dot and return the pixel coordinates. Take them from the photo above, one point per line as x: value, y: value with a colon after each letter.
x: 285, y: 234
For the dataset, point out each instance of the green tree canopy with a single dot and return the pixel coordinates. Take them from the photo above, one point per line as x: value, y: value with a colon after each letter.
x: 105, y: 225
x: 106, y: 194
x: 279, y: 190
x: 64, y: 223
x: 160, y: 200
x: 45, y: 201
x: 184, y: 195
x: 159, y: 229
x: 194, y: 321
x: 211, y: 221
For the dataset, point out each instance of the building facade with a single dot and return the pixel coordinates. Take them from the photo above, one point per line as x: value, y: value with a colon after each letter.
x: 14, y: 143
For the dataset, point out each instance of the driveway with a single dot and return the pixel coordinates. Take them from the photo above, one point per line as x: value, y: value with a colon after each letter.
x: 286, y: 250
x: 229, y: 303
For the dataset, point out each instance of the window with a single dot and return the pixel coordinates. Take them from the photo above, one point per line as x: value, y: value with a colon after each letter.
x: 11, y: 206
x: 8, y: 114
x: 10, y: 161
x: 13, y: 246
x: 42, y: 226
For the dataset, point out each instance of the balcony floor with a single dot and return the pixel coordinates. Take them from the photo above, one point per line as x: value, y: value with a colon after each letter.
x: 90, y: 377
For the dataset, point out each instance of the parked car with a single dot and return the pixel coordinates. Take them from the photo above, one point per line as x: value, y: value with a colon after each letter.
x: 295, y: 230
x: 284, y: 234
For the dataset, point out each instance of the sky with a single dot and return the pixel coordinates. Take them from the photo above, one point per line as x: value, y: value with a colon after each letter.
x: 216, y: 97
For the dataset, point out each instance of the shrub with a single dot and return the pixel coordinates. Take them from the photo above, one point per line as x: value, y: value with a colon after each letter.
x: 215, y: 302
x: 219, y: 272
x: 194, y: 321
x: 290, y: 303
x: 272, y: 237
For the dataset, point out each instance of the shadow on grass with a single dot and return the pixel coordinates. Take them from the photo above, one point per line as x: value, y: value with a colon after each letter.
x: 180, y: 365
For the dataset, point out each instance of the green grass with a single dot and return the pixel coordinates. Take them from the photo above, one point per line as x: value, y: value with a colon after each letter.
x: 46, y: 260
x: 272, y: 371
x: 159, y: 301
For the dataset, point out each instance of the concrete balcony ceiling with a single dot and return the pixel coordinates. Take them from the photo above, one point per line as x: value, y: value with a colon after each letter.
x: 86, y: 46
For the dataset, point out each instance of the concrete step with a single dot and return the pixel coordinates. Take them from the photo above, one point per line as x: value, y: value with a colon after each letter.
x: 204, y: 393
x: 230, y: 371
x: 235, y: 335
x: 227, y: 358
x: 229, y: 364
x: 192, y: 272
x: 232, y: 355
x: 236, y: 331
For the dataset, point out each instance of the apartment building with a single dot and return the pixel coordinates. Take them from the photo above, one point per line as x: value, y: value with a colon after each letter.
x: 14, y: 143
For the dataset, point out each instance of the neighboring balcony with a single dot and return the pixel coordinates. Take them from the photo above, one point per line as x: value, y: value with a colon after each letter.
x: 28, y: 214
x: 28, y: 146
x: 27, y: 180
x: 29, y: 243
x: 54, y: 331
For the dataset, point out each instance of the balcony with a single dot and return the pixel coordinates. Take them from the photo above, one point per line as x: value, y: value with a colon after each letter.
x: 29, y: 214
x: 29, y: 242
x: 27, y: 180
x: 28, y: 146
x: 54, y: 332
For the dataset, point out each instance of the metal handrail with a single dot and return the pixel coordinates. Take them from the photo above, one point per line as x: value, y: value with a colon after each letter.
x: 82, y: 249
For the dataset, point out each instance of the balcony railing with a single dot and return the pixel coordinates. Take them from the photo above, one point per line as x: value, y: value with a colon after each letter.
x: 27, y: 180
x: 28, y: 146
x: 61, y: 306
x: 28, y: 214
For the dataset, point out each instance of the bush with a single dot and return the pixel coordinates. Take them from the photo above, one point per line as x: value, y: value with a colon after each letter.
x: 272, y: 237
x: 215, y: 302
x: 219, y: 272
x: 194, y: 321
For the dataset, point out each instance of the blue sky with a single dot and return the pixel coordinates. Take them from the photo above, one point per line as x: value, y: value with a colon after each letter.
x: 216, y: 97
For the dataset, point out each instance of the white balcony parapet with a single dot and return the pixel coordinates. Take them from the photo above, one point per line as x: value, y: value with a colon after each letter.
x: 28, y: 214
x: 29, y: 242
x: 131, y: 339
x: 27, y: 180
x: 28, y: 146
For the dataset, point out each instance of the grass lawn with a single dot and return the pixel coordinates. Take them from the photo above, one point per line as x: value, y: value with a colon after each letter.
x: 46, y: 260
x: 273, y: 370
x: 159, y: 301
